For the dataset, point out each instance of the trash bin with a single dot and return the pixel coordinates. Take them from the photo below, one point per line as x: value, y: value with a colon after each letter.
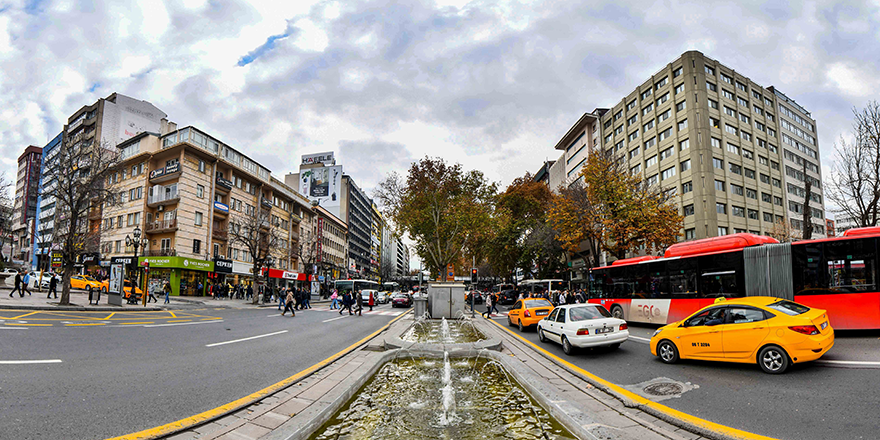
x: 420, y: 306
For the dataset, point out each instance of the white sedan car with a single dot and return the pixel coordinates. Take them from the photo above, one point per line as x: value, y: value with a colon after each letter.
x: 582, y: 325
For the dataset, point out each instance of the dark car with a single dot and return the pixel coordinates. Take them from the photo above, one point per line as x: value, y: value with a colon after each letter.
x: 401, y: 300
x: 508, y: 296
x: 478, y: 298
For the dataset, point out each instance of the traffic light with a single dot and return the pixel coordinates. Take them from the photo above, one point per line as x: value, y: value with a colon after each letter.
x: 474, y: 275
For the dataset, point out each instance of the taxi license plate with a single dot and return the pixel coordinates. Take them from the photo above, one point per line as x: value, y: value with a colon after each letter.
x: 542, y: 312
x: 824, y: 324
x: 599, y: 331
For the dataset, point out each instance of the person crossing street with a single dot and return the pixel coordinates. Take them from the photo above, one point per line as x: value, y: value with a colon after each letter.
x: 289, y: 305
x: 359, y: 300
x: 372, y: 301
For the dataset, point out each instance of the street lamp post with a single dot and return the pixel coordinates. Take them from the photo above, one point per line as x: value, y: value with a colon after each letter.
x: 136, y: 242
x: 270, y: 262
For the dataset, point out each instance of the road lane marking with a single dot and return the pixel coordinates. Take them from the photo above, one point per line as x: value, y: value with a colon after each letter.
x: 211, y: 414
x: 181, y: 320
x: 40, y: 361
x: 29, y: 325
x: 137, y: 323
x: 245, y: 339
x: 26, y: 314
x: 13, y: 328
x: 640, y: 402
x: 867, y: 364
x: 272, y: 316
x: 182, y: 323
x: 84, y: 324
x: 334, y: 319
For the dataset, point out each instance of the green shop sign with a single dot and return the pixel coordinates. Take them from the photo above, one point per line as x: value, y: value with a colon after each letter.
x: 178, y: 263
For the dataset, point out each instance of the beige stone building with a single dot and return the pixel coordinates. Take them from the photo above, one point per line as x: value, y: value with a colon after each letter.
x: 182, y: 188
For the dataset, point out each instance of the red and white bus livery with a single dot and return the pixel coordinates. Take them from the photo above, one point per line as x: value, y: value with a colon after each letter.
x: 836, y: 274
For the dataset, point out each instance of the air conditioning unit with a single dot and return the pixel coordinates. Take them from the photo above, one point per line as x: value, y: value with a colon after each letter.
x: 160, y: 208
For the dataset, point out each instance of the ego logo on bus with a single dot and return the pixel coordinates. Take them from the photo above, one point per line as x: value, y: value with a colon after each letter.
x: 649, y: 310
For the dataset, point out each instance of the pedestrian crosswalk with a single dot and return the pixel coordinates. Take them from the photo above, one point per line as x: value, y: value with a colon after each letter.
x: 366, y: 311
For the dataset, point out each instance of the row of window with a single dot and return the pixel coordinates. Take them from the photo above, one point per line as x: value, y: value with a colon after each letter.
x: 785, y: 111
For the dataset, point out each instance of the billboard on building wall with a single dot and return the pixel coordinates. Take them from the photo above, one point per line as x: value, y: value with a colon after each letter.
x: 322, y: 158
x: 323, y: 186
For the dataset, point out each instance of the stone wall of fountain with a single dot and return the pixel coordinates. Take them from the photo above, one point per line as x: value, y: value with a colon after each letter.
x: 451, y: 335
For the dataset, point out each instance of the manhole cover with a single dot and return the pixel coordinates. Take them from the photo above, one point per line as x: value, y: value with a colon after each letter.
x: 663, y: 389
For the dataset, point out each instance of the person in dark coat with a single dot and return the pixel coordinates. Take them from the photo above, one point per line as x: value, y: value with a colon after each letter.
x: 17, y: 285
x: 359, y: 300
x: 53, y: 286
x: 346, y: 302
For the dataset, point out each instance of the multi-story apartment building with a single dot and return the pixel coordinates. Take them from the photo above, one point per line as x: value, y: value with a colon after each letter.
x: 359, y: 217
x: 24, y: 210
x: 331, y: 245
x: 184, y: 188
x: 376, y: 239
x: 45, y: 224
x: 730, y: 152
x: 395, y: 255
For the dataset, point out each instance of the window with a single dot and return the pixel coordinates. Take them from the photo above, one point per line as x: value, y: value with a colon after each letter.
x: 677, y: 72
x: 202, y: 166
x: 730, y: 129
x: 649, y: 125
x: 711, y: 87
x: 749, y: 173
x: 759, y: 110
x: 729, y: 111
x: 662, y: 82
x: 666, y: 153
x: 136, y: 193
x: 741, y: 86
x: 652, y: 180
x: 118, y: 246
x: 747, y: 154
x: 775, y: 165
x: 682, y: 125
x: 736, y: 189
x: 662, y: 99
x: 728, y: 94
x: 721, y: 208
x: 684, y: 145
x: 759, y: 126
x: 617, y: 115
x: 633, y: 136
x: 197, y: 247
x: 777, y: 183
x: 719, y: 185
x: 777, y: 200
x: 715, y: 142
x: 768, y: 102
x: 690, y: 234
x: 737, y: 211
x: 746, y: 136
x: 650, y: 143
x: 679, y: 88
x: 687, y: 187
x: 732, y: 148
x: 632, y: 120
x: 713, y: 104
x: 726, y: 79
x: 200, y: 191
x: 630, y: 106
x: 768, y: 217
x: 753, y: 214
x: 762, y: 160
x: 686, y: 165
x: 766, y: 197
x: 765, y: 178
x: 744, y: 118
x: 752, y: 194
x: 647, y: 109
x: 198, y: 218
x: 651, y: 161
x: 742, y: 102
x: 714, y: 123
x: 636, y: 169
x: 634, y: 152
x: 688, y: 210
x: 718, y: 163
x: 667, y: 173
x: 665, y: 134
x: 722, y: 230
x: 735, y: 169
x: 646, y: 93
x: 680, y: 106
x: 710, y: 71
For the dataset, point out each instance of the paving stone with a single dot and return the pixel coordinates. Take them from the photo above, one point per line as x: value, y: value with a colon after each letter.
x: 186, y: 435
x: 271, y: 420
x: 249, y: 431
x: 292, y: 406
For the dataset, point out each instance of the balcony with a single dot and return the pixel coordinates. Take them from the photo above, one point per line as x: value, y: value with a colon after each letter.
x: 167, y: 252
x: 223, y: 184
x: 220, y: 234
x: 221, y: 208
x: 161, y: 226
x: 165, y: 174
x: 163, y: 198
x: 265, y: 203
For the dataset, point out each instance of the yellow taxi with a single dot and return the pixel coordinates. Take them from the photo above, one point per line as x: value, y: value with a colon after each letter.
x: 84, y: 282
x: 528, y: 312
x: 126, y: 288
x: 772, y: 332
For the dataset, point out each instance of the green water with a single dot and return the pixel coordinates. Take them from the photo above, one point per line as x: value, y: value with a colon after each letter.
x: 404, y: 400
x: 431, y: 332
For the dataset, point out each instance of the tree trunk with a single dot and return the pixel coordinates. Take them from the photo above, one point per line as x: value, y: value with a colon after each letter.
x: 65, y: 286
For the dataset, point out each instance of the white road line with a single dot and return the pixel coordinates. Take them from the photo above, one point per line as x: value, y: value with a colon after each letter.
x: 849, y: 363
x: 272, y: 316
x: 642, y: 340
x: 43, y: 361
x: 13, y: 328
x: 172, y: 325
x: 334, y: 319
x: 246, y: 339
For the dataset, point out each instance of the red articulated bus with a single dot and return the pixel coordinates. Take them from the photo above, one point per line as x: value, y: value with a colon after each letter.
x: 837, y: 274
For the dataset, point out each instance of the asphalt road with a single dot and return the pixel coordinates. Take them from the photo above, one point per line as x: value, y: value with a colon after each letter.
x: 810, y: 401
x: 117, y: 379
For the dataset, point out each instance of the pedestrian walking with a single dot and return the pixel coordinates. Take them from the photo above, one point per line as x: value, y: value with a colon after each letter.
x: 489, y: 299
x: 290, y: 305
x: 250, y: 292
x: 346, y: 302
x: 17, y: 286
x: 281, y: 299
x: 494, y: 305
x: 307, y: 299
x: 152, y: 297
x: 359, y: 300
x: 167, y: 289
x: 53, y: 286
x: 25, y: 280
x: 335, y: 300
x: 372, y: 301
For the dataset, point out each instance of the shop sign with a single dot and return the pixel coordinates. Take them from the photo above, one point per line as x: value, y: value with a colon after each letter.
x: 289, y: 275
x: 166, y: 170
x: 311, y: 159
x: 128, y: 261
x: 179, y: 262
x: 90, y: 259
x: 222, y: 265
x: 57, y: 259
x: 221, y: 207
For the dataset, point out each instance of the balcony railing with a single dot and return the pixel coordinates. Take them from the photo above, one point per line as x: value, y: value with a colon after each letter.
x: 167, y: 252
x: 220, y: 234
x: 223, y: 183
x: 163, y: 198
x: 161, y: 225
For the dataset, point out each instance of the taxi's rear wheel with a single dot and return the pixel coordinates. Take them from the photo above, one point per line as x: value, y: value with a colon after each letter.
x: 509, y: 322
x: 773, y: 359
x: 567, y: 348
x: 667, y: 352
x: 521, y: 327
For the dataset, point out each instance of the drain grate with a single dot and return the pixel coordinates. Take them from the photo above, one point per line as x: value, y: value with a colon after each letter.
x: 663, y: 389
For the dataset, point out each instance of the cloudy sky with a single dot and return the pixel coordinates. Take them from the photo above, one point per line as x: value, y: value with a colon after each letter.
x: 490, y: 84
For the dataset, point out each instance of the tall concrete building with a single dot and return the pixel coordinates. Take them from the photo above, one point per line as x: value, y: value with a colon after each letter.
x: 45, y: 225
x: 24, y: 209
x: 732, y: 153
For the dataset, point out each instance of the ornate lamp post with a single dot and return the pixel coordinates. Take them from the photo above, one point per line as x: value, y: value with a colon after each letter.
x: 136, y: 243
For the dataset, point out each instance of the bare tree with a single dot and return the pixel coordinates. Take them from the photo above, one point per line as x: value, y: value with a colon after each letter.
x: 80, y: 169
x: 855, y: 174
x: 784, y: 232
x: 808, y: 211
x: 255, y: 234
x: 6, y: 211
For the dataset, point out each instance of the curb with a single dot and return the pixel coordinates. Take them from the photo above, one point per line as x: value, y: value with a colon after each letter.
x: 75, y: 308
x: 236, y: 405
x: 672, y: 416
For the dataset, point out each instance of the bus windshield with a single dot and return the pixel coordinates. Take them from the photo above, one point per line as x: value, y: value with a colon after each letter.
x: 359, y: 285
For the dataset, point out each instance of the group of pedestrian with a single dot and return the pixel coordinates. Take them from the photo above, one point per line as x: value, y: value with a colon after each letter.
x: 293, y: 300
x: 355, y: 300
x: 491, y: 304
x: 227, y: 290
x: 21, y: 284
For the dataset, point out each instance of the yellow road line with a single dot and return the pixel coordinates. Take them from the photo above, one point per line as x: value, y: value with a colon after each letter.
x: 90, y: 323
x: 136, y: 323
x: 181, y: 320
x: 30, y: 325
x: 172, y: 314
x: 249, y: 399
x: 26, y: 314
x: 110, y: 316
x: 669, y: 412
x: 210, y: 319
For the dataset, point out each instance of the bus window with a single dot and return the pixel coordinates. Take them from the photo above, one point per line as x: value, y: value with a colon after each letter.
x: 807, y: 275
x: 721, y: 275
x: 851, y: 266
x: 682, y: 278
